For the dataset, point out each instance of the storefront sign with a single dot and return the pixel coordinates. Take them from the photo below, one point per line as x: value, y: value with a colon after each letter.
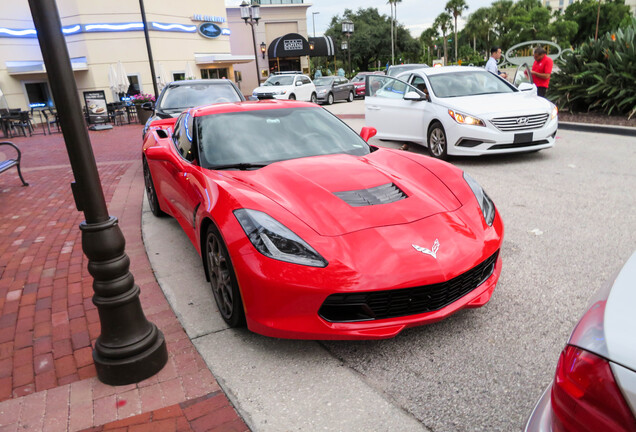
x: 96, y: 106
x: 208, y: 18
x: 209, y: 30
x: 293, y: 44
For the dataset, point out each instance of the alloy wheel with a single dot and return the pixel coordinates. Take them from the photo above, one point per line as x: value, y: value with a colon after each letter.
x: 220, y: 279
x: 437, y: 142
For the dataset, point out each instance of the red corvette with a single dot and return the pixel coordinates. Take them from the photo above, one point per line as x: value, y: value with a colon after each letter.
x: 308, y: 232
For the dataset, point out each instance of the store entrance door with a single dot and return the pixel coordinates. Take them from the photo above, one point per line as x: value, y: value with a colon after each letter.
x: 284, y: 64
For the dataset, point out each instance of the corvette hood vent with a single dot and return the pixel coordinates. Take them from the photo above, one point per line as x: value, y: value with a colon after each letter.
x: 383, y: 194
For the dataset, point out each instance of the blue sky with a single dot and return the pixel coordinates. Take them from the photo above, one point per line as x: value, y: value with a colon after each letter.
x: 416, y: 15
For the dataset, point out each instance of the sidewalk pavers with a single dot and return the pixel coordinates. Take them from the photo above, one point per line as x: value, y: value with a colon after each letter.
x: 48, y: 323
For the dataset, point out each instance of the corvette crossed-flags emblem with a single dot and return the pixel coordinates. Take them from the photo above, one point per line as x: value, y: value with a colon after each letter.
x: 432, y: 252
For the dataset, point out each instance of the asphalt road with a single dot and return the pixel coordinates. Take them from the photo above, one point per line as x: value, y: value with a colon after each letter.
x: 570, y: 224
x: 570, y: 220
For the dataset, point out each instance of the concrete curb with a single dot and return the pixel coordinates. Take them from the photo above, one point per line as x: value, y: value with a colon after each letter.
x: 597, y: 128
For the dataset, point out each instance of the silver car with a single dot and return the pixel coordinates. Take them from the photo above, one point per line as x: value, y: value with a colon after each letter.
x: 594, y: 387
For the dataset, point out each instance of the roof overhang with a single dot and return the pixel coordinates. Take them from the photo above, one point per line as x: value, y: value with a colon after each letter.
x: 208, y: 58
x: 37, y: 67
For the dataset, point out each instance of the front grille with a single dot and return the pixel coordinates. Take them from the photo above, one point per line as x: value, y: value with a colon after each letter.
x: 518, y: 145
x: 516, y: 123
x: 383, y: 194
x: 375, y: 305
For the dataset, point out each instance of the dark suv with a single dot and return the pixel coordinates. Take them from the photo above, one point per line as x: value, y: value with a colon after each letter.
x: 181, y: 95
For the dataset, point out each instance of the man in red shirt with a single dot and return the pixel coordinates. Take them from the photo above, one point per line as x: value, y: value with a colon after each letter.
x: 541, y: 70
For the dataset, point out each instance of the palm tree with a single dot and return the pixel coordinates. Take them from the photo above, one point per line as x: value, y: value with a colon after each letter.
x: 444, y: 22
x: 427, y: 38
x: 393, y: 4
x: 455, y: 8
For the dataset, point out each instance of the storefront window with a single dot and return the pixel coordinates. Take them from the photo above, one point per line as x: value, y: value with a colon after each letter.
x: 38, y: 94
x: 178, y: 76
x: 134, y: 88
x: 214, y: 73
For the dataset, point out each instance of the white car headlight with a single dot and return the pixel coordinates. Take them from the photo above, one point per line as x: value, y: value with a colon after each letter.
x: 465, y: 119
x: 555, y: 112
x: 280, y: 92
x: 275, y: 240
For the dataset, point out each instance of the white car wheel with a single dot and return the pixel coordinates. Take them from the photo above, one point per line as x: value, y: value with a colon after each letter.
x: 437, y: 143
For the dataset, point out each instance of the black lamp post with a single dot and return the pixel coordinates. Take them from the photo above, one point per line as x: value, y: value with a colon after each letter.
x: 149, y: 49
x: 130, y: 348
x: 263, y: 48
x: 347, y: 29
x: 251, y: 14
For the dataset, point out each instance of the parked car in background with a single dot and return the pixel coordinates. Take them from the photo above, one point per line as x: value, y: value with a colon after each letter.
x: 459, y: 110
x: 594, y: 387
x: 333, y: 88
x: 180, y: 95
x: 395, y: 70
x: 359, y: 83
x: 291, y: 86
x: 308, y: 232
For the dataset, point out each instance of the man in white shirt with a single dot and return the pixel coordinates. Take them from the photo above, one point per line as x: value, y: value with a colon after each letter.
x: 491, y: 64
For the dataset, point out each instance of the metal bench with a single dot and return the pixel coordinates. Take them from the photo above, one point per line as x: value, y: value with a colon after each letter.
x: 6, y: 162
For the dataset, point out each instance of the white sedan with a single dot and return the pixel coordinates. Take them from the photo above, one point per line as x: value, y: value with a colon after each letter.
x: 459, y: 110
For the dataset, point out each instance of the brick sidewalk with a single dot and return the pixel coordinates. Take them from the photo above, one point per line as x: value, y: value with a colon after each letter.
x: 48, y: 322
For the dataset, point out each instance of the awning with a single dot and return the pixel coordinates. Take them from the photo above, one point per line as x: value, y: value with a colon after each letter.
x: 208, y: 58
x: 323, y: 46
x: 290, y: 45
x: 37, y: 67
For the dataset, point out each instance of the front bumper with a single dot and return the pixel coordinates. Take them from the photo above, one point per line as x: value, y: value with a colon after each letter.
x: 270, y: 96
x: 478, y: 140
x: 283, y: 300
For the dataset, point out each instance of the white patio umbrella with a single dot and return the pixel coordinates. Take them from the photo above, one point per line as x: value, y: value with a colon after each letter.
x: 122, y: 78
x: 189, y: 73
x: 112, y: 78
x: 162, y: 77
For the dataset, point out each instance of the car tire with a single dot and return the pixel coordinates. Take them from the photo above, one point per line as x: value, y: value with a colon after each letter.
x: 437, y: 142
x: 350, y: 98
x: 223, y: 279
x: 330, y: 99
x: 314, y: 98
x: 292, y: 97
x: 151, y: 192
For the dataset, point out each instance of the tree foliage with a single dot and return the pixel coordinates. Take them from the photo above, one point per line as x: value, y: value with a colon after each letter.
x: 614, y: 14
x: 600, y: 75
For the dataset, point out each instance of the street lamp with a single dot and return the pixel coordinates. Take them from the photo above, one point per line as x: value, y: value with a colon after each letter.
x: 263, y: 48
x: 251, y: 14
x: 313, y: 19
x: 347, y: 29
x: 129, y: 348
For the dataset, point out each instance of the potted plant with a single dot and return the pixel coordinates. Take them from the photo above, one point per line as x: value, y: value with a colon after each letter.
x: 144, y: 103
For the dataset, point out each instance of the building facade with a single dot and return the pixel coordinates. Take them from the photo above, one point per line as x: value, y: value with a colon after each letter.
x: 560, y: 5
x: 188, y: 36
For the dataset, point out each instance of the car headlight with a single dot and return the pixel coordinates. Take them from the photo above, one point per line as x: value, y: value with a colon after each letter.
x: 280, y: 92
x: 555, y: 112
x: 466, y: 119
x: 275, y: 240
x: 485, y: 203
x: 322, y: 92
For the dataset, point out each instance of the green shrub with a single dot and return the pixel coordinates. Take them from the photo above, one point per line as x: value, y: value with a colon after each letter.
x: 599, y: 76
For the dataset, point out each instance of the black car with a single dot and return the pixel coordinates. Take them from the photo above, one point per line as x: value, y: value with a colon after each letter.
x: 180, y: 95
x: 332, y: 88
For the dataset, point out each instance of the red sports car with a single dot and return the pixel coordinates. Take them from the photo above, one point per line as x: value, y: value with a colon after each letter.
x: 308, y: 232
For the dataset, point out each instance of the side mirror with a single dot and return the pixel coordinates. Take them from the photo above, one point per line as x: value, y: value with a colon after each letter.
x: 527, y: 87
x: 159, y: 153
x: 299, y: 83
x: 147, y: 106
x: 413, y: 96
x: 367, y: 133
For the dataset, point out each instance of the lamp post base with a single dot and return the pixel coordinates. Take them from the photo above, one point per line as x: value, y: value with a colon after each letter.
x: 132, y: 369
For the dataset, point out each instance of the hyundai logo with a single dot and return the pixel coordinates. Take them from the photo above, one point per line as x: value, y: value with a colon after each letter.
x: 522, y: 120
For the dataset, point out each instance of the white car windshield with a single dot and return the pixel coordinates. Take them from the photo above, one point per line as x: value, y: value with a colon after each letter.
x: 469, y: 83
x: 266, y: 136
x: 179, y: 97
x: 279, y: 80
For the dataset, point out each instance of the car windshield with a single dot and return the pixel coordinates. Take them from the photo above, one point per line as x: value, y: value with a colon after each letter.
x: 279, y: 80
x: 179, y: 97
x: 323, y: 81
x: 271, y: 135
x: 469, y: 83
